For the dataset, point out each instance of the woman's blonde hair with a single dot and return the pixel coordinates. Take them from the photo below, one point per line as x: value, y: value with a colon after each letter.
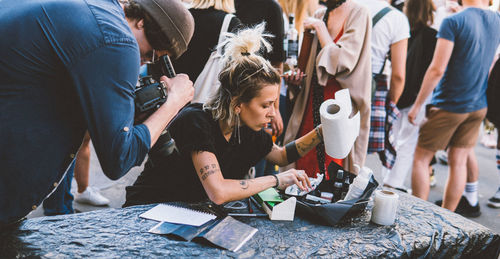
x: 223, y: 5
x: 298, y: 8
x: 244, y: 74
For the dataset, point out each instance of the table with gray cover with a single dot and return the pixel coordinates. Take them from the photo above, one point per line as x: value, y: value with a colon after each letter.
x: 421, y: 230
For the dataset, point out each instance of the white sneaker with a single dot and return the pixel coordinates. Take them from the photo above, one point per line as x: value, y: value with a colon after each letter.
x: 442, y: 157
x: 92, y: 197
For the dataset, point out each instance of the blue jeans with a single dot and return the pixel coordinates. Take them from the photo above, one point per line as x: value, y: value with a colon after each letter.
x: 61, y: 201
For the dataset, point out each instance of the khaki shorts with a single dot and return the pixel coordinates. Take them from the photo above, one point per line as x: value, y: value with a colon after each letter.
x: 444, y: 128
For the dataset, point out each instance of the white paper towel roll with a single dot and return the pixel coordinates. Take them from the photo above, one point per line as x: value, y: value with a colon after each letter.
x: 339, y: 131
x: 385, y: 207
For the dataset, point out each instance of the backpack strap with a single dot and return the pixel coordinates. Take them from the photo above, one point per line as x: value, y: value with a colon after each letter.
x: 224, y: 28
x: 380, y: 14
x: 375, y: 20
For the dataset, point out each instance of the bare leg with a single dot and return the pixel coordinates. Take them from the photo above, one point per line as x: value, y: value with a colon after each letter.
x: 455, y: 185
x: 82, y: 164
x: 472, y: 167
x: 420, y: 172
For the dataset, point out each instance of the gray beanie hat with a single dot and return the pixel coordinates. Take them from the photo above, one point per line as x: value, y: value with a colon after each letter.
x: 174, y: 20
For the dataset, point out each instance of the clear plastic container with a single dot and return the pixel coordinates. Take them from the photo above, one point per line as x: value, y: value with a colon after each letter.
x: 359, y: 184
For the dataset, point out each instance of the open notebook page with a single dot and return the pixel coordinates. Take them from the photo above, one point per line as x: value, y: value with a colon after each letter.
x: 177, y: 215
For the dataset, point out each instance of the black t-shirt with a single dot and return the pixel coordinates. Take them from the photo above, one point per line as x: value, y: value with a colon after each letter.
x: 252, y: 12
x: 207, y: 26
x: 420, y: 51
x: 174, y: 178
x: 493, y: 95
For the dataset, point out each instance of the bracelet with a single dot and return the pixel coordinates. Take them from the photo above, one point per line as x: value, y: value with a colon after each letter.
x: 318, y: 133
x: 277, y: 181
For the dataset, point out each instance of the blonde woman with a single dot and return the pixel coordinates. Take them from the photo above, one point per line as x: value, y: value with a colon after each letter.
x: 218, y: 142
x: 299, y: 8
x: 208, y: 17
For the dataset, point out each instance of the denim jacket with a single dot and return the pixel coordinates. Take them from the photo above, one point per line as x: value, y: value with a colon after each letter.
x: 65, y: 66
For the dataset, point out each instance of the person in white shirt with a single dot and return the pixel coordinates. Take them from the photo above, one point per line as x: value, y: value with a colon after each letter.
x: 390, y: 34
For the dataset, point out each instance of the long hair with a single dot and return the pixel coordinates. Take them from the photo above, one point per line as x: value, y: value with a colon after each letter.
x: 244, y: 74
x: 223, y: 5
x: 298, y: 8
x: 420, y: 13
x: 331, y: 5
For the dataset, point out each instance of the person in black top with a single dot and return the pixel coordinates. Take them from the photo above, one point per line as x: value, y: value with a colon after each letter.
x: 421, y: 47
x: 208, y: 17
x: 493, y: 95
x: 252, y: 12
x: 218, y: 142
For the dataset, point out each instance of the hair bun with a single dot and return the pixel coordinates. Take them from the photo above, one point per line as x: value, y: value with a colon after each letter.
x: 246, y: 42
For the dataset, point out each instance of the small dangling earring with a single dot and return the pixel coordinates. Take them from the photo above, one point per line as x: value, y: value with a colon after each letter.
x: 238, y: 130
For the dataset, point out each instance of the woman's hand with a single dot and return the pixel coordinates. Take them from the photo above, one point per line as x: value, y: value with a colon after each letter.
x: 293, y: 176
x: 311, y: 23
x: 294, y: 77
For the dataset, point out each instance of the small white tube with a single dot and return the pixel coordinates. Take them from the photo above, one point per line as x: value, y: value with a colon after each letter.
x: 385, y: 207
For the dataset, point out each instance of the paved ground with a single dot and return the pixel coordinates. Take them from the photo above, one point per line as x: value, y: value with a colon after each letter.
x: 488, y: 183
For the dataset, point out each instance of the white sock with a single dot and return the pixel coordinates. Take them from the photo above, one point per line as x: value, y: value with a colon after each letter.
x: 471, y: 193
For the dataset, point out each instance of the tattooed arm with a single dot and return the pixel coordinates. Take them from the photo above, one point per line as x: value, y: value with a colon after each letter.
x: 221, y: 190
x: 303, y: 145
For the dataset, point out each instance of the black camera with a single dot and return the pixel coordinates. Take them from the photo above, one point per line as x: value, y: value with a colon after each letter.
x: 150, y: 94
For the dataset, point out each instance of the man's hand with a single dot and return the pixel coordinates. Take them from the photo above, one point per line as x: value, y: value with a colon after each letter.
x: 180, y: 90
x: 412, y: 114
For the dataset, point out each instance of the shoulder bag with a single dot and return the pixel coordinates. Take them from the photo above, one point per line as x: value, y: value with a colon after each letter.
x: 207, y: 83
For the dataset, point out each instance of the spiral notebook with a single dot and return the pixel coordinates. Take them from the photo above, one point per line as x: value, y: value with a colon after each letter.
x: 177, y: 215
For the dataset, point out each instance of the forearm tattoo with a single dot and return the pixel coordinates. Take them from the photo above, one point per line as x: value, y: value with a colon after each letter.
x: 244, y: 184
x: 304, y: 147
x: 208, y: 170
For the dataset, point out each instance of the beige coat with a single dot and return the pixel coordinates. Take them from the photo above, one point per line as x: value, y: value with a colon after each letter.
x: 349, y: 60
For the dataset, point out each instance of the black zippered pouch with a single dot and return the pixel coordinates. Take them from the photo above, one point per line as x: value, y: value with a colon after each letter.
x: 339, y: 210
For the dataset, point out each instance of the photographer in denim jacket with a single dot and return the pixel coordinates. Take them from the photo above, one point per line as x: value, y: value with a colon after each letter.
x: 72, y: 65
